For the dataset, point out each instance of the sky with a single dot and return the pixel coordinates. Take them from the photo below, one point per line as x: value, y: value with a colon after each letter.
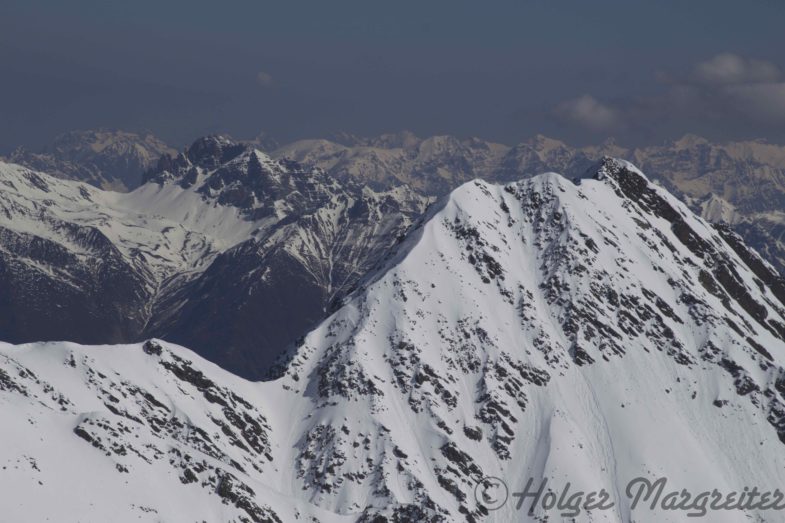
x: 641, y: 71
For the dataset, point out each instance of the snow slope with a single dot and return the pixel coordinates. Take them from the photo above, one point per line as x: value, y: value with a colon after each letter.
x: 589, y: 331
x: 132, y: 433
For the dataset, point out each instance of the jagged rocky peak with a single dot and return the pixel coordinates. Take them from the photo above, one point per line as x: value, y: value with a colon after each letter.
x: 629, y: 182
x: 210, y: 152
x: 237, y: 174
x: 206, y: 153
x: 614, y: 168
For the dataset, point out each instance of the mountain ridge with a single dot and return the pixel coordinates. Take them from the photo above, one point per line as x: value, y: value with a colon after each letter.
x: 534, y: 329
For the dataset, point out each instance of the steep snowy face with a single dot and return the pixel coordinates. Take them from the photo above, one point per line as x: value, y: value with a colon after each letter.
x: 224, y: 249
x: 587, y: 331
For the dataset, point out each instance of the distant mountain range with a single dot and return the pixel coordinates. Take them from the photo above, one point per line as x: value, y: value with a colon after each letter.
x: 584, y: 331
x: 109, y: 159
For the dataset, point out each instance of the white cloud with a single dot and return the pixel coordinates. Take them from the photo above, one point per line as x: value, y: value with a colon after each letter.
x: 727, y: 92
x: 728, y: 68
x: 588, y: 112
x: 264, y: 79
x: 741, y: 87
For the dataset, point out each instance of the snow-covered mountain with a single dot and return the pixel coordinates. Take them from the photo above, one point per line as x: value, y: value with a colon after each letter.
x: 109, y: 159
x: 222, y: 248
x: 587, y: 331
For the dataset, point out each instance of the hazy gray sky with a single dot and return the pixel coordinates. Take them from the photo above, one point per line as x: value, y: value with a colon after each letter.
x: 640, y: 70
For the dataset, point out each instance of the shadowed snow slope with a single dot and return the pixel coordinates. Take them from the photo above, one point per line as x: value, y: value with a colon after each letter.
x: 588, y: 331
